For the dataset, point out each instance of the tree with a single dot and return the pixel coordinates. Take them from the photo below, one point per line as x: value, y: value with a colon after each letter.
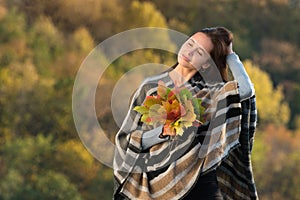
x: 46, y: 42
x: 276, y: 160
x: 281, y: 59
x: 41, y: 168
x: 28, y: 174
x: 73, y: 160
x: 292, y: 93
x: 272, y: 108
x: 82, y: 41
x: 144, y: 14
x: 13, y: 38
x: 51, y: 185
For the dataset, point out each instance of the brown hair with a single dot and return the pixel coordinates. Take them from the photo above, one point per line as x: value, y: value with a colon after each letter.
x: 221, y: 38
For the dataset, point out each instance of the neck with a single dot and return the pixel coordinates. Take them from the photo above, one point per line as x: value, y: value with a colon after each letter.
x: 182, y: 74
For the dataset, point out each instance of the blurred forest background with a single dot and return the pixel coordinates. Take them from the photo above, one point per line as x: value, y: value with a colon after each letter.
x: 43, y: 43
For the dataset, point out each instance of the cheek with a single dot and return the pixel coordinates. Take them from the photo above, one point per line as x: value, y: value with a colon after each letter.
x: 198, y: 61
x: 182, y: 51
x: 184, y: 48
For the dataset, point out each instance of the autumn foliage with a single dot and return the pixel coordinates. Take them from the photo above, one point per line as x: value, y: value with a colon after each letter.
x: 43, y: 43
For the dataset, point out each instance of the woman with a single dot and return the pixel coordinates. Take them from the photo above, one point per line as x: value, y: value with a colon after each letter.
x: 147, y: 163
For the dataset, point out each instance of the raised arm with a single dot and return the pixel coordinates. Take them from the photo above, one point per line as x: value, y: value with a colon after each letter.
x: 239, y: 73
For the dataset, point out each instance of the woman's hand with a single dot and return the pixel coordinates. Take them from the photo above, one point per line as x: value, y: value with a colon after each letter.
x: 166, y: 132
x: 229, y: 49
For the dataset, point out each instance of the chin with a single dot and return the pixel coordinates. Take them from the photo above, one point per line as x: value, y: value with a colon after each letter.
x: 186, y: 64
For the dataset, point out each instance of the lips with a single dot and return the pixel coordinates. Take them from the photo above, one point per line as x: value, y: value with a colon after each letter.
x: 185, y: 58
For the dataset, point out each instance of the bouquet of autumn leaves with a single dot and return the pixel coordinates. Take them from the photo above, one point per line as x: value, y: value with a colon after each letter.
x: 176, y: 109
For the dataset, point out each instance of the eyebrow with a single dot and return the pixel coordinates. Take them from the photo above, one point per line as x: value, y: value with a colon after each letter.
x: 192, y: 40
x: 196, y: 42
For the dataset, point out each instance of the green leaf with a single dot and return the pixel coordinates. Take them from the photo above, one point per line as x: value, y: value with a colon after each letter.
x: 157, y: 113
x: 141, y: 109
x: 144, y: 119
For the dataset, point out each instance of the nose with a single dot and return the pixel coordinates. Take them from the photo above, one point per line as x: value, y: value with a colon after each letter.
x: 191, y: 52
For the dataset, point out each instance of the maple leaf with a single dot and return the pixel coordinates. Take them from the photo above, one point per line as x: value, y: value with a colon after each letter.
x: 157, y: 114
x: 175, y: 108
x: 162, y: 90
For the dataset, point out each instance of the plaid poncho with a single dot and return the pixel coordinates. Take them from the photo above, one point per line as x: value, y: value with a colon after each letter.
x: 170, y: 169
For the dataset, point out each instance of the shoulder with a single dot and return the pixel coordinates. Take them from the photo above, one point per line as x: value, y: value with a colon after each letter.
x: 151, y: 82
x: 155, y: 78
x: 148, y: 87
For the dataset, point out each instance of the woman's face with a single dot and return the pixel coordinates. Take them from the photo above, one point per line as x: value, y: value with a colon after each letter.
x: 195, y: 51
